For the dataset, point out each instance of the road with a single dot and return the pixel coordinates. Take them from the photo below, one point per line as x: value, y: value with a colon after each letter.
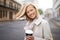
x: 12, y: 30
x: 55, y: 29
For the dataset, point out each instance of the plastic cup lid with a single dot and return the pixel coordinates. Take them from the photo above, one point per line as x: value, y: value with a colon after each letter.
x: 29, y: 31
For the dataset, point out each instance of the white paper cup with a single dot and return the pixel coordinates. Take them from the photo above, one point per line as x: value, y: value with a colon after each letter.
x: 28, y: 32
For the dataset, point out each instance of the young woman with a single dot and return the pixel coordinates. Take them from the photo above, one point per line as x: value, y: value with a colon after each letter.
x: 39, y: 26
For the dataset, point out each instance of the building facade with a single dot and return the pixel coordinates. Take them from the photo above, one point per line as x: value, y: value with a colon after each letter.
x: 56, y: 7
x: 8, y: 9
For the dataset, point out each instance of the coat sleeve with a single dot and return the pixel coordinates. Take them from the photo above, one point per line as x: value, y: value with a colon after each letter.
x: 37, y: 38
x: 46, y: 30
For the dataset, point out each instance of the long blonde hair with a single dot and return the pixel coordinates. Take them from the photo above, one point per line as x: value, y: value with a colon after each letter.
x: 23, y: 11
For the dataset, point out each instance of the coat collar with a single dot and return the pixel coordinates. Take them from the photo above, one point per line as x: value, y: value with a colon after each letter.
x: 38, y: 20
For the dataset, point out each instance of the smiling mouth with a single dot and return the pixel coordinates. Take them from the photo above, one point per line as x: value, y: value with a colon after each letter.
x: 32, y: 14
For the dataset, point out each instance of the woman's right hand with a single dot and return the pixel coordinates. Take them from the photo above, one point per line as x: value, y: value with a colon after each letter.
x: 29, y: 38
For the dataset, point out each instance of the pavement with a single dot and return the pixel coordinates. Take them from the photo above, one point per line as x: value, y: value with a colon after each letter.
x: 55, y: 28
x: 56, y: 21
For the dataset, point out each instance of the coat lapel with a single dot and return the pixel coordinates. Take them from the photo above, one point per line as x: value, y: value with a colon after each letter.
x: 38, y: 20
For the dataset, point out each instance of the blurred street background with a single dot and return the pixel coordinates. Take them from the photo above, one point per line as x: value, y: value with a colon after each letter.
x: 11, y: 23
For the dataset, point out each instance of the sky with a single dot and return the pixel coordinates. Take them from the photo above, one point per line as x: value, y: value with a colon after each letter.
x: 45, y: 4
x: 42, y: 4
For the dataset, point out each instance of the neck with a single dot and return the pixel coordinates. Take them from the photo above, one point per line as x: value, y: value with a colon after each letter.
x: 30, y: 20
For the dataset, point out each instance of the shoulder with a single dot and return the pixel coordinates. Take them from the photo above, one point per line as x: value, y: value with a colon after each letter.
x: 45, y: 24
x: 40, y: 20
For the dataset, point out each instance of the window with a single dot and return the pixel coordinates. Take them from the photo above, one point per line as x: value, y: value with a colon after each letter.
x: 0, y: 13
x: 4, y: 13
x: 15, y: 6
x: 4, y: 2
x: 10, y: 4
x: 10, y: 15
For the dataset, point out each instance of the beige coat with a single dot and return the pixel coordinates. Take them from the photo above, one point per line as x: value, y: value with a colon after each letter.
x: 40, y: 28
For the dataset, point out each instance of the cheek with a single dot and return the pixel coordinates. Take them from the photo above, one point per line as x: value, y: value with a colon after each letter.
x: 35, y: 13
x: 27, y: 14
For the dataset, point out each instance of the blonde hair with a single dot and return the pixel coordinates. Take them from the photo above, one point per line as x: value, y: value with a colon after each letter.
x: 23, y: 11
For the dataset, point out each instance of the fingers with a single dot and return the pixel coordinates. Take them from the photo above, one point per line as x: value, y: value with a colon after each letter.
x: 29, y: 38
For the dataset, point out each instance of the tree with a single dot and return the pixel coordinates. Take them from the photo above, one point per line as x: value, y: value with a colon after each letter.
x: 40, y: 11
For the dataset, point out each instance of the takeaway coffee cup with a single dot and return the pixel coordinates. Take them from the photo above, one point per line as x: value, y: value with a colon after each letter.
x: 29, y: 32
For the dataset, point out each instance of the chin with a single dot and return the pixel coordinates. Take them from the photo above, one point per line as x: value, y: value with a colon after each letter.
x: 32, y: 17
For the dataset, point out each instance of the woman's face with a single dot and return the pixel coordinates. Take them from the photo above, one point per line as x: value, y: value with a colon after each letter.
x: 31, y: 12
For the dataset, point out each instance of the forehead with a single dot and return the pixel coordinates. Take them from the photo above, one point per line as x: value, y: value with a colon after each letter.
x: 30, y: 7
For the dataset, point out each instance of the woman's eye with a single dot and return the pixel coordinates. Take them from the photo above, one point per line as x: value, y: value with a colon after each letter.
x: 29, y: 10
